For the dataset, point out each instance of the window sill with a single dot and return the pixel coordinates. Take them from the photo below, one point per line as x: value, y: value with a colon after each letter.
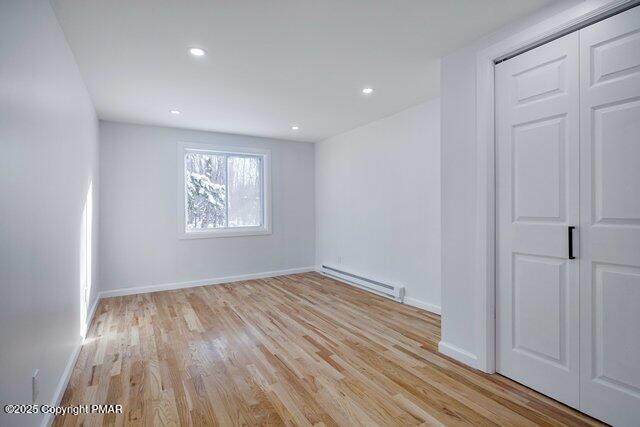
x: 227, y: 232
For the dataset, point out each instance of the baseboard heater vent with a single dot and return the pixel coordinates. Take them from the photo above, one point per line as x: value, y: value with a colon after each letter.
x: 390, y: 291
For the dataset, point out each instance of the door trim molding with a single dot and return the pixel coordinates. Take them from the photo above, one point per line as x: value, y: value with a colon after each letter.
x: 561, y: 24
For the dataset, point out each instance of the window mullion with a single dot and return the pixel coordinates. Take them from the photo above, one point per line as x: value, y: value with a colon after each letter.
x: 262, y: 200
x: 226, y: 196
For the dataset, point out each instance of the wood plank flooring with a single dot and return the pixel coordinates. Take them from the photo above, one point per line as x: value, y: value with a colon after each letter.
x: 293, y: 350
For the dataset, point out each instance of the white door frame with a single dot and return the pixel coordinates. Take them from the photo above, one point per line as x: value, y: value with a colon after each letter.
x: 574, y: 18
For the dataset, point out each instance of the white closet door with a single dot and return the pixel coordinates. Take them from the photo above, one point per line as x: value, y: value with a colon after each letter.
x: 537, y: 199
x: 610, y: 219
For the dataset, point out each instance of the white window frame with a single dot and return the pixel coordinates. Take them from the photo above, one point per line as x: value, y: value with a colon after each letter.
x: 265, y: 156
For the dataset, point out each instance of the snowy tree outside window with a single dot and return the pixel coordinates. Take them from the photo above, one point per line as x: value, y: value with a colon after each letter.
x: 222, y: 190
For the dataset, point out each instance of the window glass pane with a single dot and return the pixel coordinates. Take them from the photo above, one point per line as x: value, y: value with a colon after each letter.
x: 206, y: 193
x: 245, y: 191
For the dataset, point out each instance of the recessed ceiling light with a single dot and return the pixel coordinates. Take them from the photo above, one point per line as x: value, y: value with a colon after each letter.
x: 367, y: 90
x: 176, y: 112
x: 295, y: 127
x: 196, y: 51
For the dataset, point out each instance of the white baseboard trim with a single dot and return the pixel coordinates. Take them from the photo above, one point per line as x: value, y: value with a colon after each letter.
x: 458, y: 354
x: 432, y: 308
x: 68, y: 369
x: 190, y: 284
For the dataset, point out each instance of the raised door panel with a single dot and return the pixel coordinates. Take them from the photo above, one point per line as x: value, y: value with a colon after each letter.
x: 615, y: 58
x: 616, y: 159
x: 538, y: 171
x: 540, y: 81
x: 616, y: 338
x: 540, y: 286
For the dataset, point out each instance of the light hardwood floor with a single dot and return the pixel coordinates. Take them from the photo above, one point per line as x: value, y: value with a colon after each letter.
x: 296, y: 350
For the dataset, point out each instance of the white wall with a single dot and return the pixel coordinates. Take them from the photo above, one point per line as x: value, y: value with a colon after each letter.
x: 459, y: 175
x: 48, y: 137
x: 378, y: 201
x: 139, y: 208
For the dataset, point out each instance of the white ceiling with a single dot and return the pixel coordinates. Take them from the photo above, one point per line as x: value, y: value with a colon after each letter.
x: 270, y: 63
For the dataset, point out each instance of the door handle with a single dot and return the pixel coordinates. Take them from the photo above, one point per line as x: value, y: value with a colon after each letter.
x: 570, y: 240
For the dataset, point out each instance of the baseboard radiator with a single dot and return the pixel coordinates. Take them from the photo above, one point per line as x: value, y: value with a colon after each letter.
x: 393, y: 292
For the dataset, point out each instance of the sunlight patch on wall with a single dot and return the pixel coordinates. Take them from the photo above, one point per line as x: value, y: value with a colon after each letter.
x: 86, y: 235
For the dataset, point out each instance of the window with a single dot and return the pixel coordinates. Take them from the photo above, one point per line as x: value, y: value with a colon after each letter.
x: 223, y: 191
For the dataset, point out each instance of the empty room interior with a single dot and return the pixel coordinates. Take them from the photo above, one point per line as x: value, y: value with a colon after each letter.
x: 320, y: 212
